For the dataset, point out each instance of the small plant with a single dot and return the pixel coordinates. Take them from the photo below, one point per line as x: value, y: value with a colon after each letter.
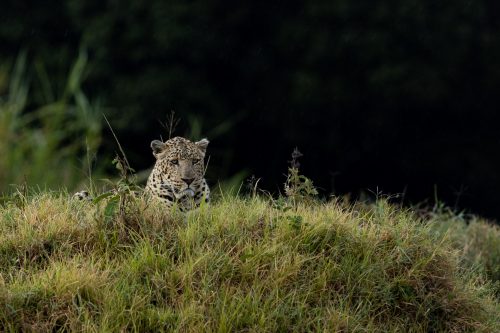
x: 171, y: 124
x: 252, y: 185
x: 124, y: 190
x: 298, y: 187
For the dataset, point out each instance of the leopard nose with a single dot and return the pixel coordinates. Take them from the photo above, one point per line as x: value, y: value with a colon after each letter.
x: 188, y: 180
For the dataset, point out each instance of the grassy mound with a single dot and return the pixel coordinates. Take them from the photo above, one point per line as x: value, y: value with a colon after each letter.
x: 239, y: 265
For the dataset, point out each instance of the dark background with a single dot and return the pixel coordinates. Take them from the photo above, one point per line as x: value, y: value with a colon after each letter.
x: 392, y: 96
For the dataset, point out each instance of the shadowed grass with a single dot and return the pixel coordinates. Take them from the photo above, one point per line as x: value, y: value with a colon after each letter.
x: 477, y: 240
x: 41, y: 142
x: 237, y: 265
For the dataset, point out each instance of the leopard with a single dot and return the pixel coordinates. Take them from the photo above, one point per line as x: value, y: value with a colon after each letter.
x: 178, y: 175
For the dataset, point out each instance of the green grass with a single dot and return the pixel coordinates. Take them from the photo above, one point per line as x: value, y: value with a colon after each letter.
x: 49, y: 143
x: 477, y: 241
x: 245, y: 265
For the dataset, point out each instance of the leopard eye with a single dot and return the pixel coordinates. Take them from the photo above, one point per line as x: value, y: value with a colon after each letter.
x: 174, y: 162
x: 195, y: 161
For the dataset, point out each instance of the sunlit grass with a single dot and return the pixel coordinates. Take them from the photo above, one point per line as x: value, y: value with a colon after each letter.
x: 237, y: 265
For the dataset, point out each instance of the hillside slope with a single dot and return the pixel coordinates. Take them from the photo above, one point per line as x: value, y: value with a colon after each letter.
x: 239, y: 265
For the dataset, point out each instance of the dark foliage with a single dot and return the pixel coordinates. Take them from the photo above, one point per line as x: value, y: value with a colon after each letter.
x: 395, y: 95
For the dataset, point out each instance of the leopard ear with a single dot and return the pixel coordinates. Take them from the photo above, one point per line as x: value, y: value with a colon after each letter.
x: 202, y: 145
x: 157, y: 147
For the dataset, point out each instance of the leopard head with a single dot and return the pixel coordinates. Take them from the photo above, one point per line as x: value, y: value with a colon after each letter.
x: 179, y: 166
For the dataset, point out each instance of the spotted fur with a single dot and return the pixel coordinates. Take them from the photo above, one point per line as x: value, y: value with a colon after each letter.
x: 178, y: 174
